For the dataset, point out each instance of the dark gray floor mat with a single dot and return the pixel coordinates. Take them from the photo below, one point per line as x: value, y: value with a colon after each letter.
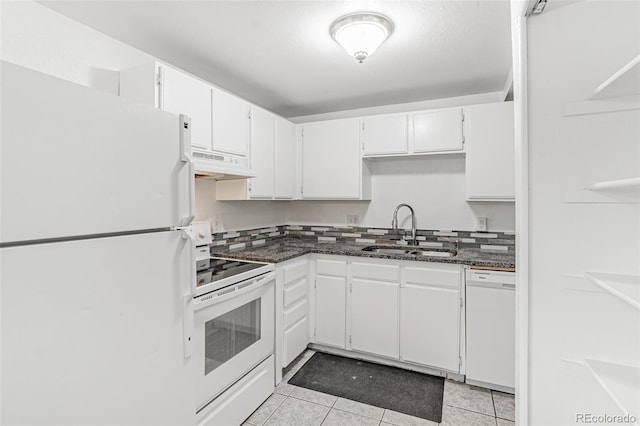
x: 392, y: 388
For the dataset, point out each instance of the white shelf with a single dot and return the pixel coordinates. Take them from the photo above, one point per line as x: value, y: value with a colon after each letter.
x: 620, y: 382
x: 620, y: 92
x: 624, y: 82
x: 624, y: 287
x: 630, y: 183
x: 619, y: 191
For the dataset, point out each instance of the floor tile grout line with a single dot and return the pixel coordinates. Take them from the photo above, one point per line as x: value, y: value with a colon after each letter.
x: 466, y: 409
x: 493, y: 402
x: 270, y: 415
x: 356, y: 414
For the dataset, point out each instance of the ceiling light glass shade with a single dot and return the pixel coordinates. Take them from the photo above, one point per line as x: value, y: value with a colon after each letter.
x: 360, y: 34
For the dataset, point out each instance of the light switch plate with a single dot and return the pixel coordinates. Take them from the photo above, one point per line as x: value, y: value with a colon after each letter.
x: 482, y: 224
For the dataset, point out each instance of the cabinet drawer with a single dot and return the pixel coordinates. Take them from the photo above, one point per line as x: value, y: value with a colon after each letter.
x: 431, y: 276
x: 295, y: 292
x: 336, y: 268
x: 295, y: 342
x: 294, y: 271
x: 295, y: 313
x: 376, y: 272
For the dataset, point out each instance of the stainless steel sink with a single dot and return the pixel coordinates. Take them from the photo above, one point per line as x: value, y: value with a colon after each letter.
x: 384, y: 250
x: 435, y: 253
x: 411, y: 251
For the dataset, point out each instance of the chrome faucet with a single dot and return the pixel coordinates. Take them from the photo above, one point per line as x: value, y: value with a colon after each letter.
x: 394, y: 222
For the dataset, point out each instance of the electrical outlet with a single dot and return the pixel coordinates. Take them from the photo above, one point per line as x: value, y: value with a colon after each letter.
x: 218, y: 225
x: 353, y: 219
x: 482, y: 224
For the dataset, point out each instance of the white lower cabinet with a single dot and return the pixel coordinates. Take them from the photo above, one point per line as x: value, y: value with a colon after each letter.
x: 400, y: 310
x: 374, y: 317
x: 330, y: 310
x: 292, y: 311
x: 429, y: 326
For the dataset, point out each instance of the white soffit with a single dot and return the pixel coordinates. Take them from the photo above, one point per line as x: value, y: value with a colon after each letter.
x: 280, y: 55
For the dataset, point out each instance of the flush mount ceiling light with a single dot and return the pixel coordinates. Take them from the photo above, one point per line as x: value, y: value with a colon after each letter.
x: 361, y: 33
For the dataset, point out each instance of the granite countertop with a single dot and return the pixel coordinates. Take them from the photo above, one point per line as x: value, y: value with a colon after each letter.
x: 289, y: 248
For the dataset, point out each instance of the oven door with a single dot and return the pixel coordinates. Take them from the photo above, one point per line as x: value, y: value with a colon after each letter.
x: 233, y: 332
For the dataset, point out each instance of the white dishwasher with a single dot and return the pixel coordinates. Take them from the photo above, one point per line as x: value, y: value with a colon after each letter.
x: 490, y: 331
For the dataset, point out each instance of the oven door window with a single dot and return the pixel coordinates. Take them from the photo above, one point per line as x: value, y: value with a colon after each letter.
x: 231, y: 333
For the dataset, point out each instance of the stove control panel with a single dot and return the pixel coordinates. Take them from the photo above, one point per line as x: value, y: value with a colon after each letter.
x: 202, y: 232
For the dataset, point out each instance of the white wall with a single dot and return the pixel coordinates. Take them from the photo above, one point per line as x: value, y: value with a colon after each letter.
x: 38, y: 38
x: 433, y: 185
x: 236, y: 215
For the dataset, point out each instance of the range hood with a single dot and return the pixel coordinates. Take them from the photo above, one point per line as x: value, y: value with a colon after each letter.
x: 219, y: 166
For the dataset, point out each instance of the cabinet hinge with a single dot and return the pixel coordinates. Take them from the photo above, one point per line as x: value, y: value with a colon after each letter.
x: 459, y: 361
x: 362, y: 126
x: 158, y: 79
x: 461, y: 302
x: 349, y: 339
x: 462, y: 115
x: 249, y: 114
x: 302, y: 190
x: 463, y: 139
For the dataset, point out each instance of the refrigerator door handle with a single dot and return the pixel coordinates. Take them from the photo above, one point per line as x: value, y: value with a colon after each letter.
x: 188, y: 311
x: 185, y: 147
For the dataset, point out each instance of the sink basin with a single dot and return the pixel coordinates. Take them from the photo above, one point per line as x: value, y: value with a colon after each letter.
x: 384, y: 250
x: 411, y: 251
x: 435, y: 253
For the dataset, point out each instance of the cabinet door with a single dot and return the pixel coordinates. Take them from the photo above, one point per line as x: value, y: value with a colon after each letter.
x: 262, y: 153
x: 435, y: 131
x: 230, y: 123
x: 330, y: 310
x: 182, y: 94
x: 285, y: 159
x: 490, y: 159
x: 374, y: 317
x: 385, y: 134
x: 429, y: 324
x: 331, y: 160
x: 491, y: 319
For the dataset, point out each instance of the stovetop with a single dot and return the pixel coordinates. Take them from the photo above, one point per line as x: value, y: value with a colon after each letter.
x: 225, y: 268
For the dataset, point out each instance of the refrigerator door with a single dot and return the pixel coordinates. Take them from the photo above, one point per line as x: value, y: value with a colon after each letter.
x: 93, y: 331
x: 78, y: 162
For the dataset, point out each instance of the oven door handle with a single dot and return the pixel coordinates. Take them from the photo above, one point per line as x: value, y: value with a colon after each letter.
x: 203, y: 301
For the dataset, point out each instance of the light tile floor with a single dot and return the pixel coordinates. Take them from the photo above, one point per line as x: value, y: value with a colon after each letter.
x: 463, y: 405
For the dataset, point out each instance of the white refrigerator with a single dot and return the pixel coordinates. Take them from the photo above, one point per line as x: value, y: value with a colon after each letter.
x: 96, y: 274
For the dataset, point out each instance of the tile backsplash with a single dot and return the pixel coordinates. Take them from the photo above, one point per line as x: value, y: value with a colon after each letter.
x: 493, y: 241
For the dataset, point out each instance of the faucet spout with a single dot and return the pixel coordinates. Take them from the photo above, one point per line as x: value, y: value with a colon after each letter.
x: 394, y: 222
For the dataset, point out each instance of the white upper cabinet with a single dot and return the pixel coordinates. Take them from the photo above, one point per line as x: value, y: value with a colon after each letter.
x: 331, y: 160
x: 262, y: 153
x: 182, y: 94
x: 230, y: 123
x: 384, y: 135
x: 489, y: 147
x: 272, y: 159
x: 171, y: 90
x: 285, y: 159
x: 437, y: 131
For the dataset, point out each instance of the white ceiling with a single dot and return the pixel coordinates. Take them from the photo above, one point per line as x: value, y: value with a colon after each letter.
x: 279, y: 54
